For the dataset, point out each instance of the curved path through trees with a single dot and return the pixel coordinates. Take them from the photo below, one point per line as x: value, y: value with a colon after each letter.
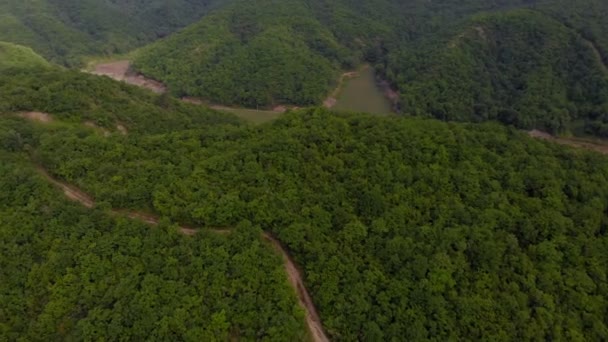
x: 293, y: 274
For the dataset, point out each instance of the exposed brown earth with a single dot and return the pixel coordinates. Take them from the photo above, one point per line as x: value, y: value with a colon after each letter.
x: 122, y: 129
x: 592, y: 145
x: 93, y: 125
x: 293, y: 274
x: 69, y: 191
x: 295, y: 278
x: 37, y: 116
x: 121, y: 71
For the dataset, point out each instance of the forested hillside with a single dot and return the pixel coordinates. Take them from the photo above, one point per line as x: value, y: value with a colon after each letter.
x: 72, y: 273
x: 404, y: 228
x: 253, y: 53
x: 79, y: 98
x: 65, y: 30
x: 532, y: 64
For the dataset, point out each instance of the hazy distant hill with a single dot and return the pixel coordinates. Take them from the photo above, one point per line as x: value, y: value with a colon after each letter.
x: 519, y: 67
x: 64, y: 30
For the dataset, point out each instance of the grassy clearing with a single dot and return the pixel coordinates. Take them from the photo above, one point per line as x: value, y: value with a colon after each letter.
x: 91, y: 62
x: 252, y: 115
x: 362, y: 94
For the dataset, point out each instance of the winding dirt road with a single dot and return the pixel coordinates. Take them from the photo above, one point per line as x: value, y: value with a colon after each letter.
x: 293, y: 274
x: 295, y: 278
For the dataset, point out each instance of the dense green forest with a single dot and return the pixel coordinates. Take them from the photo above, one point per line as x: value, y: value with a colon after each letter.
x: 404, y: 228
x: 72, y: 274
x: 64, y: 31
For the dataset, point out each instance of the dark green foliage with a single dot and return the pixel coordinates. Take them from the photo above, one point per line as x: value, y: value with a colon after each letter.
x: 406, y: 229
x: 68, y: 273
x: 253, y: 53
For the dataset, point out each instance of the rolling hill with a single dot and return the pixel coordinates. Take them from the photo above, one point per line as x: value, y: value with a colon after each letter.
x: 404, y: 228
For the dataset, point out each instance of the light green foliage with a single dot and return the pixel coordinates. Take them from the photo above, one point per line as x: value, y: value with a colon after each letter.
x: 15, y: 56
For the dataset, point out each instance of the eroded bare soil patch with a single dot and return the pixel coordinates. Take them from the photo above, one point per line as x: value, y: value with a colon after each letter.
x: 37, y: 116
x: 121, y: 71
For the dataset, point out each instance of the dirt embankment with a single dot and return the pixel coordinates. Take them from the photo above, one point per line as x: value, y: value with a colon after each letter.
x: 597, y: 54
x: 597, y: 146
x: 69, y: 191
x: 37, y: 116
x: 295, y: 278
x: 122, y: 71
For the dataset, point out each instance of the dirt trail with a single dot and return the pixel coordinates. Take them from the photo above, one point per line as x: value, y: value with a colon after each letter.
x: 295, y: 278
x: 597, y: 146
x: 70, y: 192
x: 37, y: 116
x: 597, y: 54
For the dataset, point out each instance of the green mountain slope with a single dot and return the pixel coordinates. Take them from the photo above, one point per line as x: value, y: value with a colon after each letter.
x: 15, y: 56
x: 73, y: 273
x: 265, y: 52
x: 519, y: 67
x: 534, y: 64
